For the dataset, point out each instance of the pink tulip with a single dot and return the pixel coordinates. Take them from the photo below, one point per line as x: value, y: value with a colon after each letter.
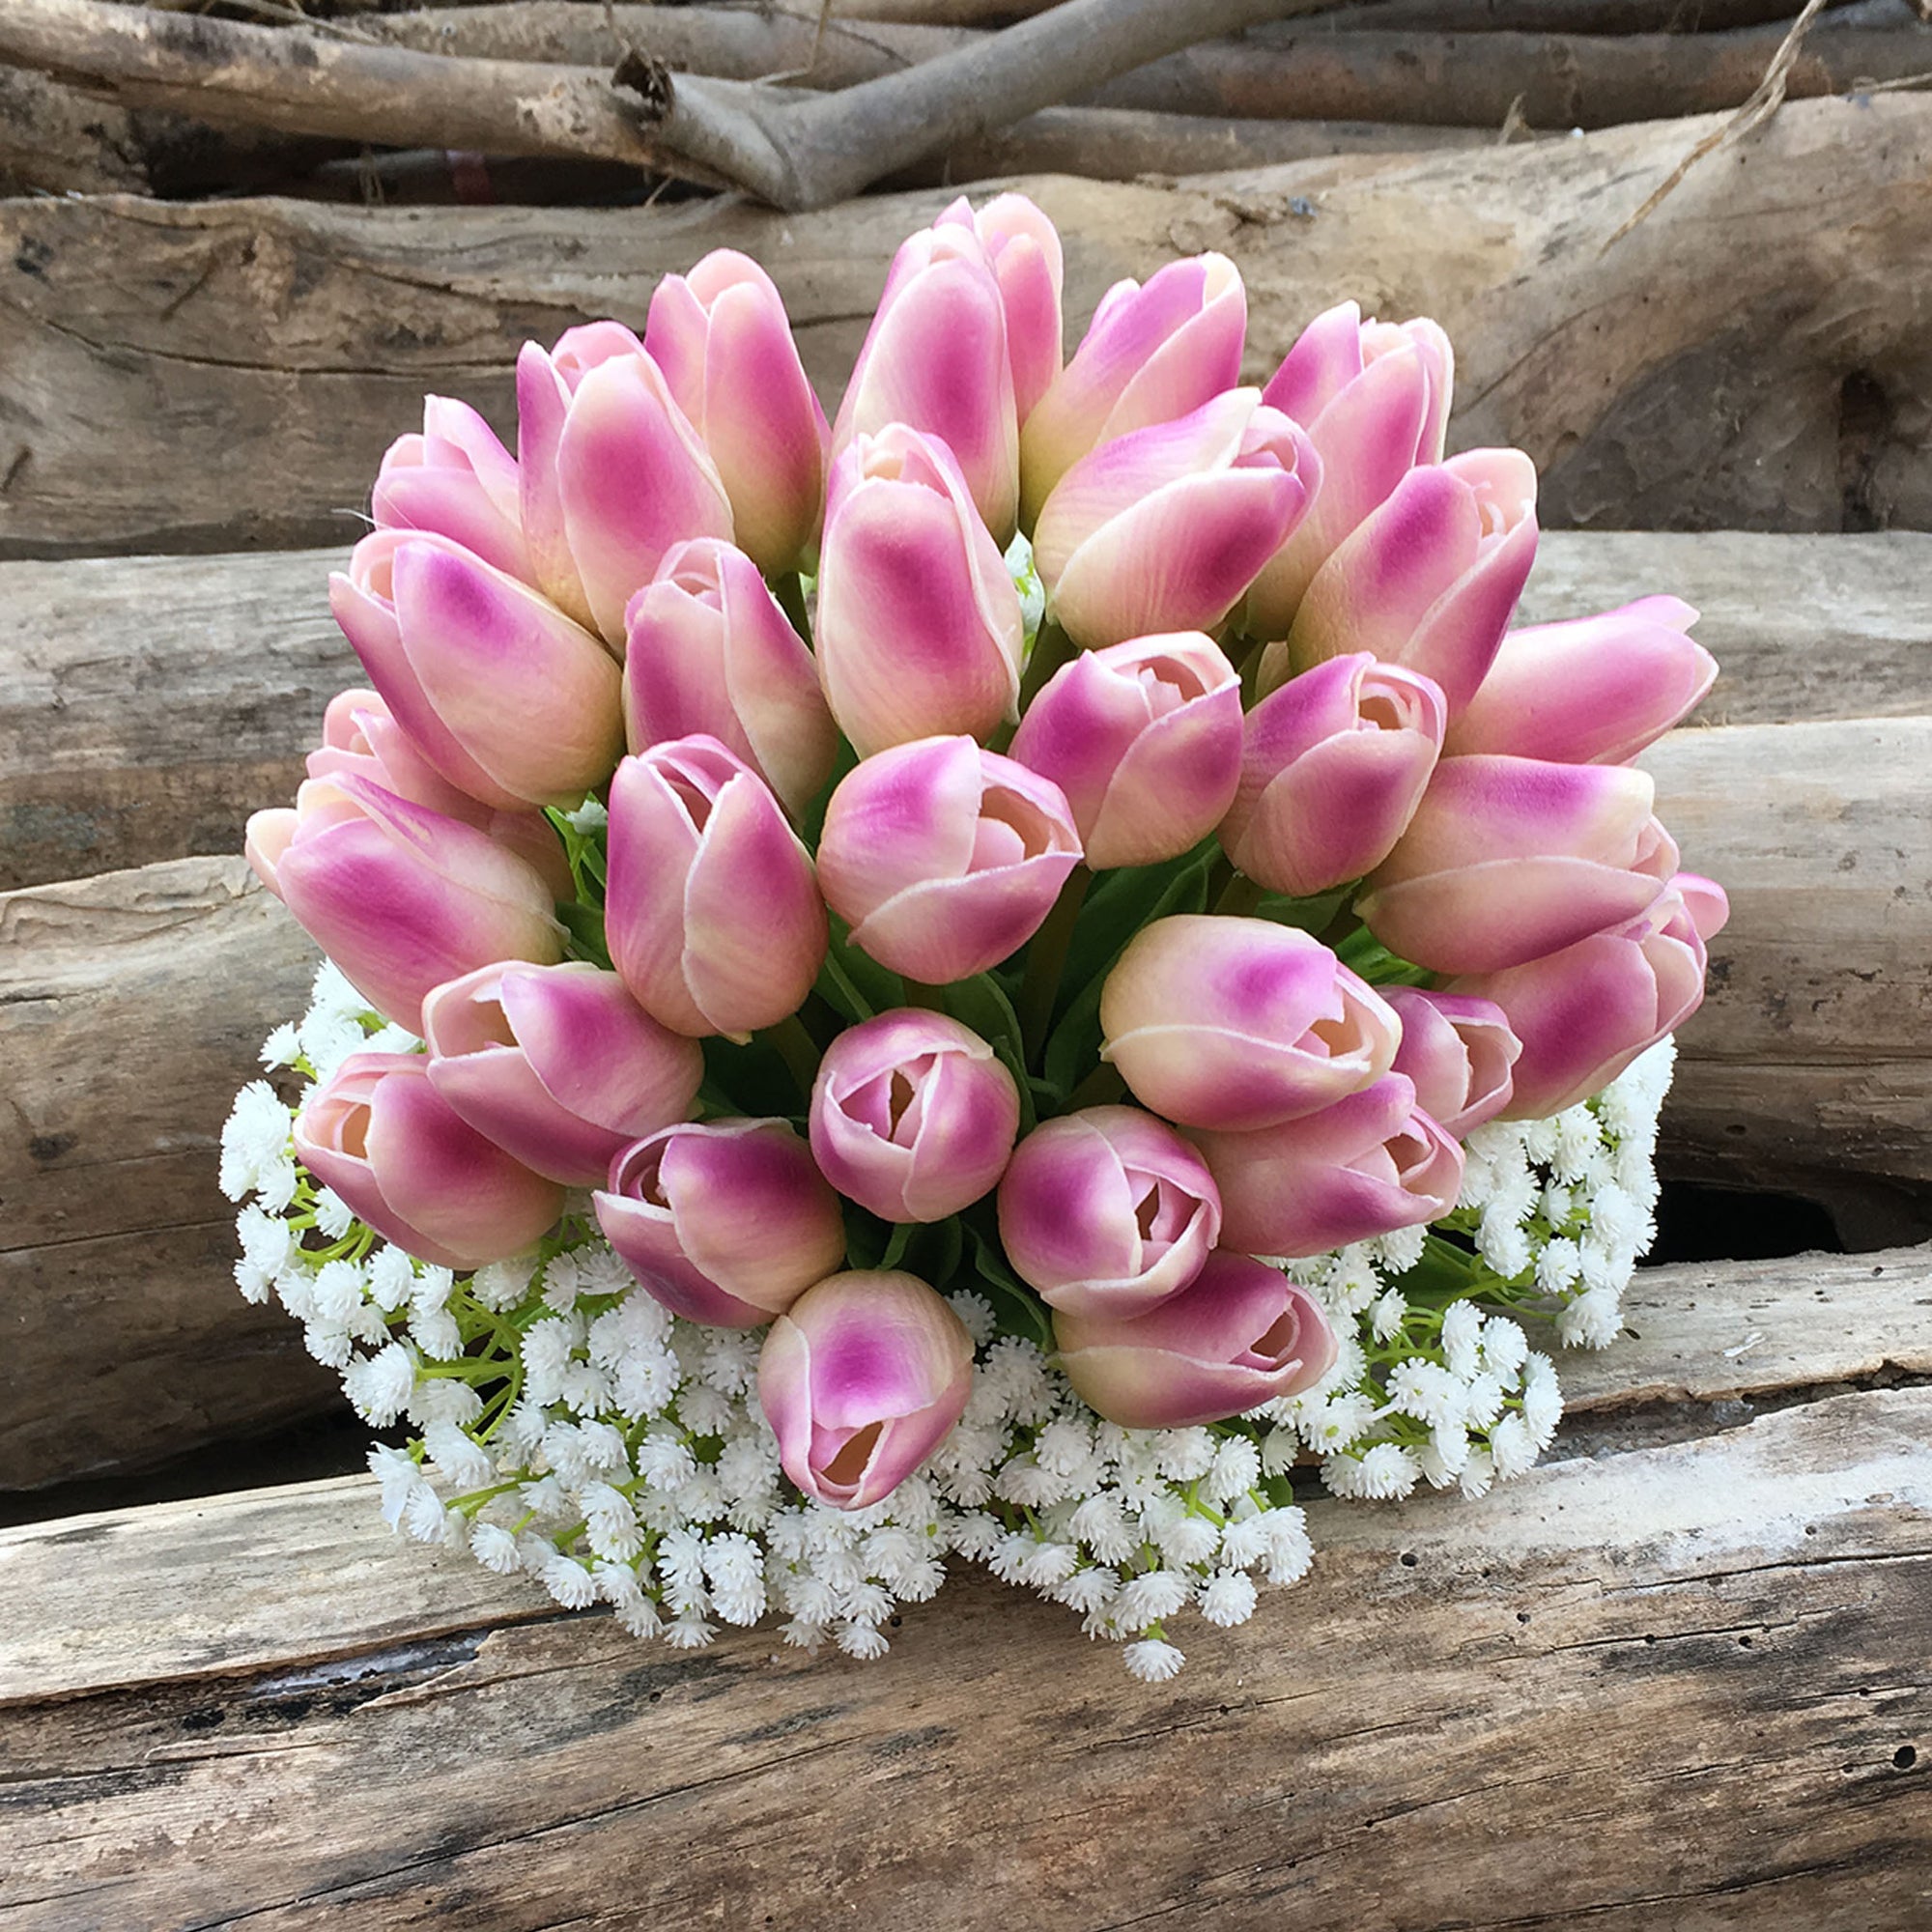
x: 1585, y: 1013
x: 1427, y: 579
x: 1507, y: 859
x: 400, y: 898
x: 1459, y: 1052
x: 457, y: 480
x: 1593, y: 691
x: 723, y: 339
x: 1149, y: 355
x: 1370, y: 1164
x: 1374, y: 398
x: 711, y: 912
x: 1333, y: 766
x: 919, y: 624
x: 1024, y: 248
x: 1107, y: 1213
x: 1145, y: 739
x: 944, y: 858
x: 558, y: 1065
x: 507, y: 697
x: 1239, y: 1023
x: 913, y: 1115
x: 725, y: 1222
x: 862, y: 1378
x: 1164, y: 528
x: 710, y: 651
x: 383, y: 1138
x: 1239, y: 1334
x: 935, y: 360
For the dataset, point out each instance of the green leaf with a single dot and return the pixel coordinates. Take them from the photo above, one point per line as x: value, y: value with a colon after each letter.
x: 1364, y: 954
x: 1314, y: 915
x: 982, y: 1004
x: 1016, y: 1308
x: 583, y: 925
x: 852, y: 983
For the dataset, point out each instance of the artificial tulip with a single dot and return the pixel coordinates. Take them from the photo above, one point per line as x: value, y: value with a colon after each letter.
x: 862, y: 1378
x: 1457, y: 1051
x: 723, y: 339
x: 710, y: 651
x: 504, y: 695
x: 1428, y: 578
x: 1239, y: 1334
x: 1508, y: 858
x: 1585, y: 1013
x: 918, y: 625
x: 945, y: 858
x: 711, y: 912
x: 1152, y: 354
x: 1024, y: 248
x: 1594, y: 691
x: 725, y: 1222
x: 1164, y: 528
x: 379, y: 1134
x: 913, y: 1115
x: 1107, y: 1211
x: 558, y: 1065
x: 1371, y: 1163
x: 935, y: 360
x: 1239, y: 1023
x: 1145, y: 739
x: 400, y: 897
x: 1333, y: 765
x: 457, y: 480
x: 1374, y: 398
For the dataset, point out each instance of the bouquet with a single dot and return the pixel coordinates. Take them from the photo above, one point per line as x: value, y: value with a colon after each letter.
x: 1006, y: 977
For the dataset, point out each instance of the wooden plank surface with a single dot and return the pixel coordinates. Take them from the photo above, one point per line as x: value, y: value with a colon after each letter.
x: 224, y: 375
x: 149, y: 705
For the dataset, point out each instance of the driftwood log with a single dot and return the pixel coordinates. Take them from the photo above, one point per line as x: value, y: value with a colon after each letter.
x: 152, y: 356
x: 1674, y: 1681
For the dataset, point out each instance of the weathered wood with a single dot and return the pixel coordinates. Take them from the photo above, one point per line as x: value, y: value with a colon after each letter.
x: 124, y: 741
x: 1680, y: 1685
x: 225, y: 376
x: 130, y: 1007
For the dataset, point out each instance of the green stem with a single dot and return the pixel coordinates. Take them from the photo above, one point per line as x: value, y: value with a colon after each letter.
x: 797, y: 1049
x: 1102, y: 1088
x: 1239, y: 897
x: 1051, y: 649
x: 789, y: 590
x: 902, y: 1233
x: 1046, y: 961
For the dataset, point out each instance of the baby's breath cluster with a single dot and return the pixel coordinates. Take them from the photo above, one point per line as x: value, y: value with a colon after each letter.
x: 551, y: 1417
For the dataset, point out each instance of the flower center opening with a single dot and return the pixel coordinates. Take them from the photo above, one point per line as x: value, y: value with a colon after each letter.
x: 849, y: 1463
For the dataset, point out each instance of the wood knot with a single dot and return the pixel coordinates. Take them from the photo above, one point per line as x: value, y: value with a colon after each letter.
x: 648, y: 78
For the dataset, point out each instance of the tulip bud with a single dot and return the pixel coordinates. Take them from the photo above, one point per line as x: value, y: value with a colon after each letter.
x: 913, y: 1115
x: 1150, y: 355
x: 902, y: 536
x: 1594, y: 691
x: 862, y: 1378
x: 457, y: 480
x: 1507, y: 859
x: 400, y: 898
x: 944, y: 858
x: 1145, y: 739
x: 1023, y: 246
x: 723, y: 339
x: 1239, y: 1334
x: 507, y: 697
x: 1427, y: 579
x: 935, y: 360
x: 1164, y: 528
x: 378, y: 1133
x: 711, y: 651
x: 1239, y: 1023
x: 1333, y: 765
x: 1374, y: 398
x: 711, y: 912
x: 725, y: 1222
x: 1107, y: 1213
x: 1585, y: 1013
x: 1370, y: 1164
x: 558, y: 1065
x: 1457, y: 1051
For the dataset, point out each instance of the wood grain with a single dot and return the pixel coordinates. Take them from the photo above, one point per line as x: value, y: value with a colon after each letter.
x: 225, y: 375
x: 1678, y: 1687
